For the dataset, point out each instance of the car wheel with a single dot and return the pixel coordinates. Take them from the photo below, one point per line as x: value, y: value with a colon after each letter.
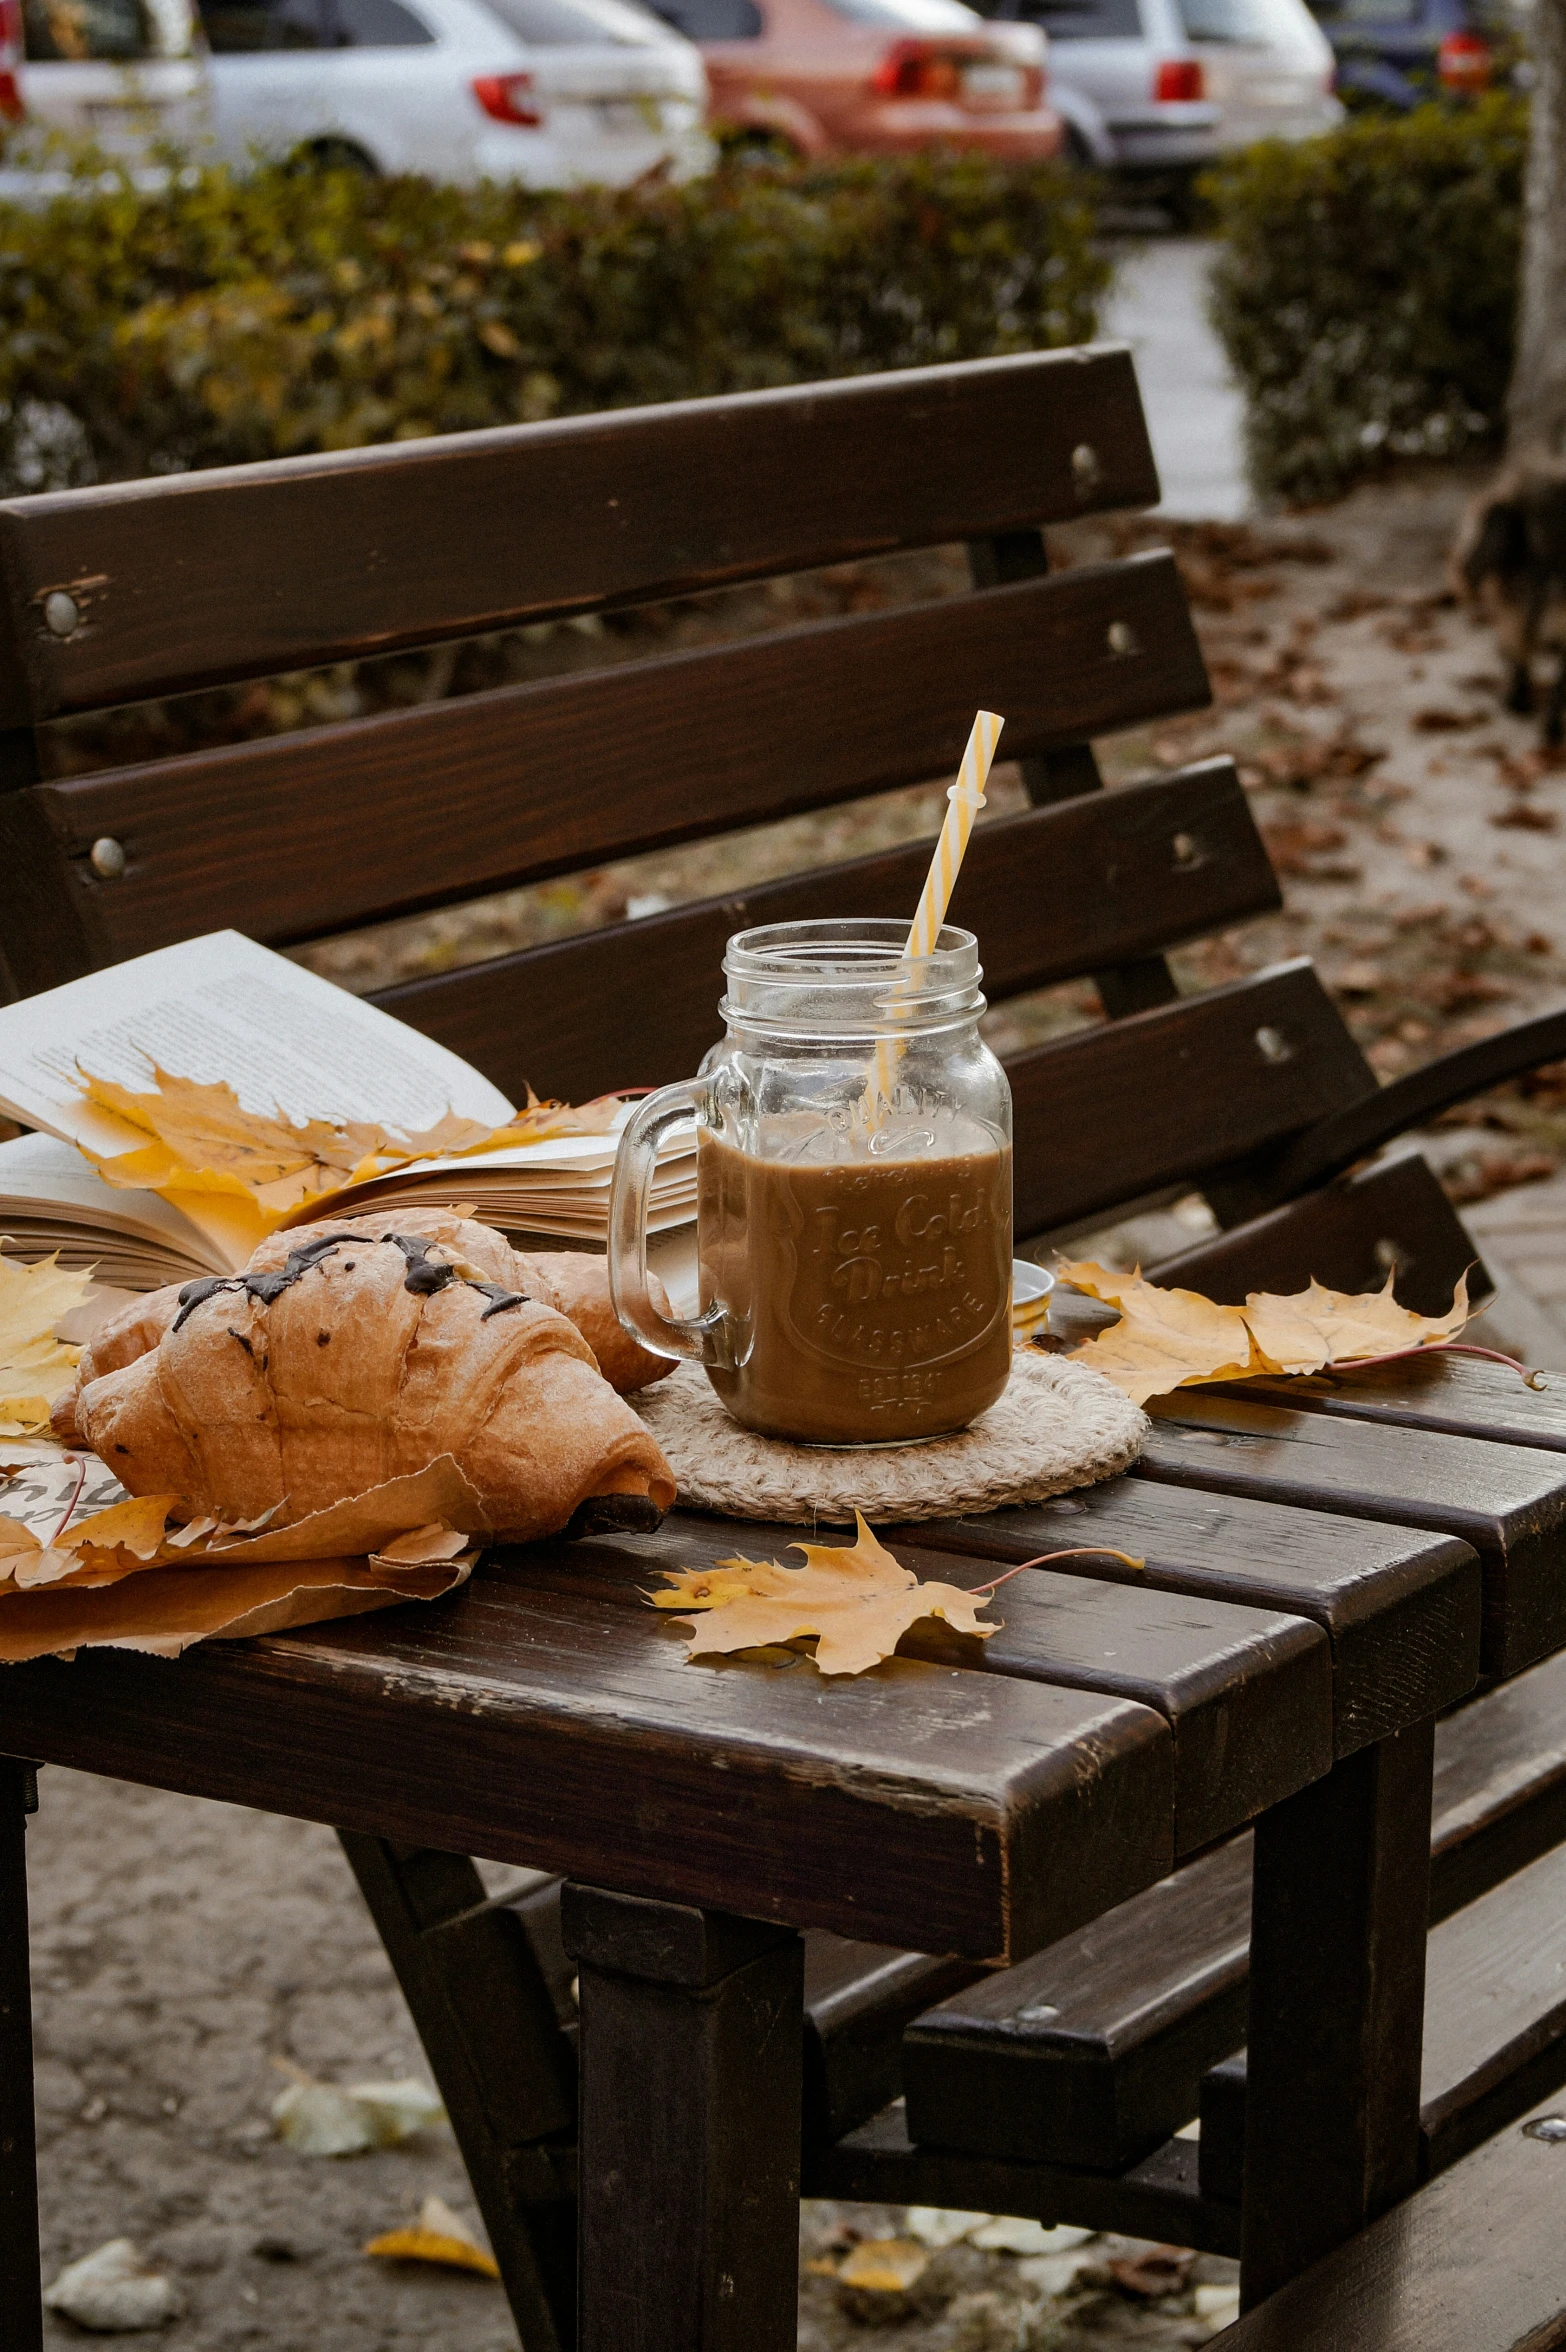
x: 756, y: 150
x: 1076, y: 152
x: 1183, y: 205
x: 323, y: 155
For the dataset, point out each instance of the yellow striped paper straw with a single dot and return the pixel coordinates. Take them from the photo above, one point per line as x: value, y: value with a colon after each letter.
x: 964, y: 799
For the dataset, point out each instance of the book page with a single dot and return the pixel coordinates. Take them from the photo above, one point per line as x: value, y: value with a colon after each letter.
x: 225, y: 1008
x: 40, y: 1174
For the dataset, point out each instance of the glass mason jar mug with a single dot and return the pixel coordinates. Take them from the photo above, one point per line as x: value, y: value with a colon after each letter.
x: 853, y: 1226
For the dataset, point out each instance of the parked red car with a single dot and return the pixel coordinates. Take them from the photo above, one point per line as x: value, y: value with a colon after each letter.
x: 854, y: 77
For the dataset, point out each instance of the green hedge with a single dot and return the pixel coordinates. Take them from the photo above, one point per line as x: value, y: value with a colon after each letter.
x: 1366, y: 291
x: 234, y: 318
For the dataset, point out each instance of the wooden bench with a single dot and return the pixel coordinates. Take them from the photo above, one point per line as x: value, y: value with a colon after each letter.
x: 1253, y: 1091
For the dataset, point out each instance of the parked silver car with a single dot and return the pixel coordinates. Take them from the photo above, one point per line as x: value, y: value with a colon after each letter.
x: 1156, y: 89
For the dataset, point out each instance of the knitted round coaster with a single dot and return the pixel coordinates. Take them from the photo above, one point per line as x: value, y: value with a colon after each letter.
x: 1056, y: 1425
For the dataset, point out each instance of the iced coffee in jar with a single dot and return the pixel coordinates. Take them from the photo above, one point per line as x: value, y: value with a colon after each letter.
x: 854, y: 1190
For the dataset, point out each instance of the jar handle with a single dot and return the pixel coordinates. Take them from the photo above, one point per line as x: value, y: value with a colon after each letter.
x: 701, y: 1338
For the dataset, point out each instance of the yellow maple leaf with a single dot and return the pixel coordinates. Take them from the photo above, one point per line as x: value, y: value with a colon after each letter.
x: 855, y: 1599
x: 35, y: 1368
x: 201, y: 1139
x: 1168, y: 1339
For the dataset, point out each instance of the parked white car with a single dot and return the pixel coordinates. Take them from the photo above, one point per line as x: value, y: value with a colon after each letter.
x: 126, y: 74
x: 549, y: 92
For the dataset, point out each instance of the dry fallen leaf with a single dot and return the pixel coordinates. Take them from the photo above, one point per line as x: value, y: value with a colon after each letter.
x: 1317, y: 1326
x: 1013, y: 2233
x: 201, y: 1139
x: 217, y: 1580
x: 1167, y: 1339
x: 1159, y: 2270
x: 36, y: 1369
x: 99, y: 1550
x: 884, y: 2266
x: 112, y: 2292
x: 942, y: 2225
x: 1164, y: 1339
x: 162, y: 1611
x: 421, y: 1545
x: 332, y: 2119
x: 855, y: 1599
x: 438, y: 2236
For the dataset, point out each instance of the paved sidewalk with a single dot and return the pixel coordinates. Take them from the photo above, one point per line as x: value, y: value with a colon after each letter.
x: 1195, y: 413
x: 1522, y: 1235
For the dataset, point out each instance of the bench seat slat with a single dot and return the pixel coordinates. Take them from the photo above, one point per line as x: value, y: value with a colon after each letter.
x: 1475, y: 2262
x: 1242, y: 1739
x: 244, y: 570
x: 1461, y: 1396
x: 1393, y: 1658
x: 1509, y: 1502
x: 1158, y: 2198
x: 1058, y: 891
x: 858, y: 1998
x: 508, y: 786
x: 537, y: 1726
x: 1393, y: 1212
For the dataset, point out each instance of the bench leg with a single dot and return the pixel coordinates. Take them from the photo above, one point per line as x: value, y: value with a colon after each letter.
x: 692, y: 2029
x: 21, y: 2294
x: 501, y: 2064
x: 1339, y: 1914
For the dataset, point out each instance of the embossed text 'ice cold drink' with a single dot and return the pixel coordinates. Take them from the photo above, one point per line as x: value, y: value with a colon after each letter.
x: 875, y: 1292
x: 855, y: 1246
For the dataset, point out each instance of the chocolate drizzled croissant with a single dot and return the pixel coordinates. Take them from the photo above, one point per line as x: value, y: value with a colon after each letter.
x: 573, y: 1282
x: 353, y: 1351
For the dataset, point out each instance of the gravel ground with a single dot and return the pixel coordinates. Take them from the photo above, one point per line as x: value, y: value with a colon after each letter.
x: 182, y: 1949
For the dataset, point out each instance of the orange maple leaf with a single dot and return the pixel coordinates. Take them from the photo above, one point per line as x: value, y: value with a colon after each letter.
x: 201, y: 1139
x: 855, y: 1600
x: 112, y: 1544
x: 1167, y: 1339
x: 439, y: 2236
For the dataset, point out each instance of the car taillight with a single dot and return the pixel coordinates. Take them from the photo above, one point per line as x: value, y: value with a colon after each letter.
x: 1178, y: 81
x: 11, y: 107
x: 917, y: 69
x: 984, y: 79
x: 1463, y: 62
x: 509, y: 98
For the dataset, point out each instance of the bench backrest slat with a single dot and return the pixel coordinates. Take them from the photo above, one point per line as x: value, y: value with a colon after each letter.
x: 1058, y: 891
x: 508, y: 786
x: 1172, y: 1096
x: 250, y: 570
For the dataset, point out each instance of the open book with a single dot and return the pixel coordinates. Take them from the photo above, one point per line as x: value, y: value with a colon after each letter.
x: 222, y: 1008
